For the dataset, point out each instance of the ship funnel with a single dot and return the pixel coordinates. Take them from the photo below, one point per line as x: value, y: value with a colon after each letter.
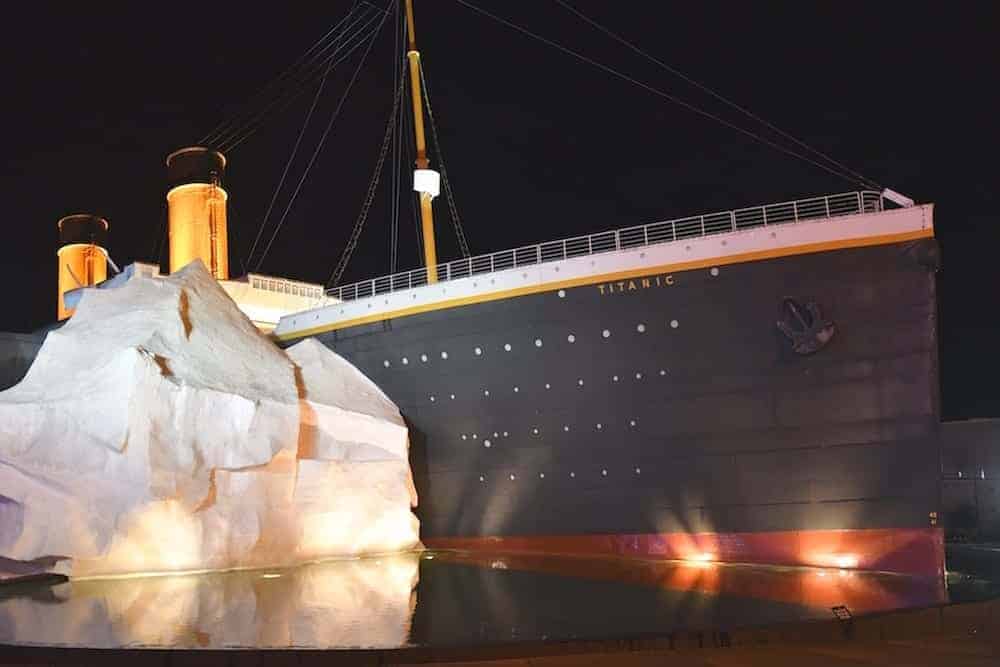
x: 82, y: 255
x: 196, y: 210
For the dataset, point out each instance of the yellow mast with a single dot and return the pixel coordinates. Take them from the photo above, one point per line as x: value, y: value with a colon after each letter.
x: 425, y: 180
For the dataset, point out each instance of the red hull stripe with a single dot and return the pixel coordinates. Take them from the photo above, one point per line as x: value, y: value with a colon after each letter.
x: 915, y: 551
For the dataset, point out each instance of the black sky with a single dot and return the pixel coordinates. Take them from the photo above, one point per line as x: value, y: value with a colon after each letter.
x: 538, y: 145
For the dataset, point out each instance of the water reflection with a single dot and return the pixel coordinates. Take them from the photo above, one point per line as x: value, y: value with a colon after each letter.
x: 461, y: 599
x: 362, y: 603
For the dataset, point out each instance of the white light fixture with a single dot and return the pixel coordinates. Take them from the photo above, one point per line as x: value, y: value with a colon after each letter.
x: 427, y: 181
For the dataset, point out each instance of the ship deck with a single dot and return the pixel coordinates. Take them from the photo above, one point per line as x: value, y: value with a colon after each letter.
x: 846, y: 220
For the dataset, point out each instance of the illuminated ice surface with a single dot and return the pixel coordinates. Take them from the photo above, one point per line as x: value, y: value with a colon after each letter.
x: 158, y: 430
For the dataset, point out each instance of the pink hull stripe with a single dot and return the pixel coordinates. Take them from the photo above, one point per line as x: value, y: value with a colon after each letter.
x: 915, y: 551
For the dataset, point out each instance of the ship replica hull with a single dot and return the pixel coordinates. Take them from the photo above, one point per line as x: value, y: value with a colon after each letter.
x: 759, y: 395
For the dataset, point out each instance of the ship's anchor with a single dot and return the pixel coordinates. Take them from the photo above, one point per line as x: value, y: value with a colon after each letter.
x: 806, y: 327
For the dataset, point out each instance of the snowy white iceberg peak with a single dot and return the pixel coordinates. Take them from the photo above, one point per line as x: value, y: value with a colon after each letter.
x: 159, y: 430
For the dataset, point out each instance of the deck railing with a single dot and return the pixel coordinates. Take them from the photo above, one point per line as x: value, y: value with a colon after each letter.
x: 667, y: 231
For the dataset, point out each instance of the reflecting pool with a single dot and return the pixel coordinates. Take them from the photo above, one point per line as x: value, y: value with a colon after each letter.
x: 440, y: 599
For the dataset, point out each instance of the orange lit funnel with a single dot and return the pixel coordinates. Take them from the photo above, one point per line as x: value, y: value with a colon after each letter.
x: 196, y: 210
x: 82, y: 255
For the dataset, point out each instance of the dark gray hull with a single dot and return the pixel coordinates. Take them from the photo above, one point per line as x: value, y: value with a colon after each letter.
x: 714, y: 426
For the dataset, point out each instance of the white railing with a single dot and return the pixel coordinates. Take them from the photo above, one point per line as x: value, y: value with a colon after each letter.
x: 668, y: 231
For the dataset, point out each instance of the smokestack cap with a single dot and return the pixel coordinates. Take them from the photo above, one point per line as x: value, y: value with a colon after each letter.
x: 195, y: 164
x: 83, y: 228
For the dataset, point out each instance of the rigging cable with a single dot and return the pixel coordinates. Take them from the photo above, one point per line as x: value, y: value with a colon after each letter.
x: 656, y: 91
x: 359, y: 224
x: 414, y: 197
x: 406, y: 132
x: 395, y: 182
x: 861, y: 178
x: 251, y: 126
x: 463, y: 244
x: 322, y: 140
x: 304, y: 62
x: 288, y: 164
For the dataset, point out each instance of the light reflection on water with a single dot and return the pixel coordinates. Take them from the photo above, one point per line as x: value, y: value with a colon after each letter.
x: 360, y: 603
x: 449, y: 599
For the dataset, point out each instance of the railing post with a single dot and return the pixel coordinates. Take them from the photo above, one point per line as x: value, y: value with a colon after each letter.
x: 732, y: 219
x: 590, y: 245
x: 795, y: 211
x: 673, y: 230
x: 702, y: 225
x: 861, y: 206
x: 564, y: 249
x: 826, y: 200
x: 538, y: 254
x: 618, y: 240
x: 764, y: 209
x: 645, y: 235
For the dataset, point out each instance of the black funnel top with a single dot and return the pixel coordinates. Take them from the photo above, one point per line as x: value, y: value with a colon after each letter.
x: 195, y: 165
x: 83, y: 228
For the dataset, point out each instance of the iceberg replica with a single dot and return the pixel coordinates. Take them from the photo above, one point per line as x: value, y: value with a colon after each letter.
x: 158, y: 430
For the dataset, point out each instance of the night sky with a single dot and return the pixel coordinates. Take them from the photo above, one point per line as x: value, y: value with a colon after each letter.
x: 538, y: 145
